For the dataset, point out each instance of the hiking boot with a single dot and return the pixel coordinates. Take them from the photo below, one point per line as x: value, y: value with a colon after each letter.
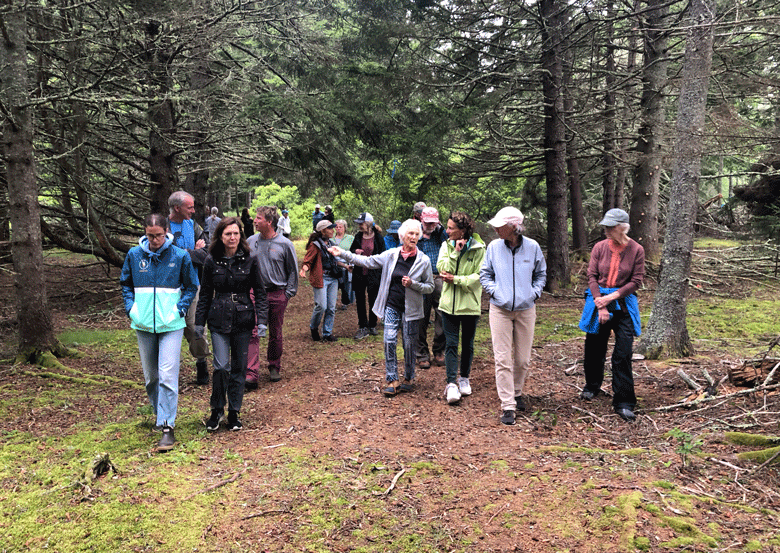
x: 587, y: 394
x: 452, y: 393
x: 424, y: 364
x: 167, y: 440
x: 406, y: 386
x: 362, y: 333
x: 373, y: 331
x: 330, y: 338
x: 274, y: 375
x: 212, y: 424
x: 519, y: 403
x: 391, y: 389
x: 464, y: 386
x: 315, y: 334
x: 438, y: 359
x: 626, y: 414
x: 232, y: 421
x: 508, y: 417
x: 202, y: 371
x: 250, y: 385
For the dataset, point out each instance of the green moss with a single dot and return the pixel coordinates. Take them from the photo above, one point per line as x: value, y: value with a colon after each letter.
x: 664, y: 484
x: 720, y: 320
x: 752, y: 440
x: 707, y: 243
x: 761, y: 456
x: 591, y: 450
x: 753, y: 545
x: 690, y: 533
x: 642, y: 543
x: 499, y: 464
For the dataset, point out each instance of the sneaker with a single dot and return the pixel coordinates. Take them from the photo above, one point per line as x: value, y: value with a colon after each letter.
x: 167, y: 440
x: 315, y: 334
x: 232, y: 422
x: 464, y: 386
x: 424, y: 364
x: 452, y: 393
x: 330, y: 338
x: 519, y: 403
x: 362, y: 333
x: 202, y: 370
x: 587, y: 395
x: 373, y: 331
x: 212, y: 424
x: 274, y: 374
x: 508, y: 417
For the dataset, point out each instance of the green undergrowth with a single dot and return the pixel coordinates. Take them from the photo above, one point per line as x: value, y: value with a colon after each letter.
x: 720, y: 323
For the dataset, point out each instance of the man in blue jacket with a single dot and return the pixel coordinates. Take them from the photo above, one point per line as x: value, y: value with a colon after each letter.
x: 188, y: 235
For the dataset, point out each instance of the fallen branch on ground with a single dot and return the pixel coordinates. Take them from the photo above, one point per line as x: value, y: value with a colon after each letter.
x: 761, y: 388
x: 217, y: 485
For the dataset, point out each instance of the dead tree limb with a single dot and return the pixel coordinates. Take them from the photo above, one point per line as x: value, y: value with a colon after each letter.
x: 713, y: 398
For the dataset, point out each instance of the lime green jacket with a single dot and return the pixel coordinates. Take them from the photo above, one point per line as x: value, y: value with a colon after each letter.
x: 464, y: 295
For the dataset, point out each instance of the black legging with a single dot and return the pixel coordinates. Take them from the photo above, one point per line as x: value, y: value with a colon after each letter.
x: 622, y: 375
x: 361, y: 287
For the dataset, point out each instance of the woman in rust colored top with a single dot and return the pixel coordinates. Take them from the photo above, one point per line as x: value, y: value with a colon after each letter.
x: 615, y: 272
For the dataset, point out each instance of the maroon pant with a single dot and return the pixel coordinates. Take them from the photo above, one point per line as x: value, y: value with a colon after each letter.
x: 277, y: 304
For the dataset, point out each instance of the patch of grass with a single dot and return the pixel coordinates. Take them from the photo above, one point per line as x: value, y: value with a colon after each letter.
x: 558, y: 325
x: 721, y: 321
x: 707, y: 243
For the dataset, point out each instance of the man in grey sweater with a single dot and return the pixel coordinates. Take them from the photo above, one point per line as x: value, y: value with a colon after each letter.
x: 279, y: 270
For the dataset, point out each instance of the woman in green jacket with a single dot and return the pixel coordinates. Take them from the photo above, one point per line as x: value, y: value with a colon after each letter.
x: 460, y: 259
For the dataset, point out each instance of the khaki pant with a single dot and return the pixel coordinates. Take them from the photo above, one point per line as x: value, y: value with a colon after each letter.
x: 513, y: 335
x: 199, y: 347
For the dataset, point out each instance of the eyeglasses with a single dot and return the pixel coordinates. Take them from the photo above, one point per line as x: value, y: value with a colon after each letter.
x: 155, y: 236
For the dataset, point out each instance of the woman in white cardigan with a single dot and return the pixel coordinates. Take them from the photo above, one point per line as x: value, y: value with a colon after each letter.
x: 406, y: 277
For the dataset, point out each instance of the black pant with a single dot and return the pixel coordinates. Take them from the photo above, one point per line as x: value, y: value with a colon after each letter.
x: 362, y: 288
x: 623, y: 396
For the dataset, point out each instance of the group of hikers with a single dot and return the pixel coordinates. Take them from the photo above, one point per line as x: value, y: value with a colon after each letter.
x: 175, y: 286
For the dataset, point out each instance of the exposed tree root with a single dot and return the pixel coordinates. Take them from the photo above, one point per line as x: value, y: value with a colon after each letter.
x: 47, y: 359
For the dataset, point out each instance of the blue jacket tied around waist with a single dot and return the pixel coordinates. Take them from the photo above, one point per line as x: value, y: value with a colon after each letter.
x: 590, y: 315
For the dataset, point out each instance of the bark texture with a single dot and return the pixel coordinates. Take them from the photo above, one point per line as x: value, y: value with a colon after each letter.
x: 553, y: 14
x: 647, y: 174
x: 36, y: 330
x: 667, y: 332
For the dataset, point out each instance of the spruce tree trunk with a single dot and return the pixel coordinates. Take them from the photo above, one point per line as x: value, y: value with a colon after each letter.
x: 36, y: 330
x: 667, y: 332
x: 553, y: 13
x: 647, y: 174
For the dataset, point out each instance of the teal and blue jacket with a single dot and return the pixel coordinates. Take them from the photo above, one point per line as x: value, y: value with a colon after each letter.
x: 158, y: 287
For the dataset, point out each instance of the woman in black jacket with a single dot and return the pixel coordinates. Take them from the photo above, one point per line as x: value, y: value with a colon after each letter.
x: 229, y: 273
x: 367, y: 242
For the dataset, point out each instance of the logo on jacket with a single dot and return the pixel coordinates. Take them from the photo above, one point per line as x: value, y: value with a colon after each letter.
x: 143, y: 264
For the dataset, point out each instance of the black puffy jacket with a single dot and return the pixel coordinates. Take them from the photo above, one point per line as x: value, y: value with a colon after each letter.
x: 224, y: 300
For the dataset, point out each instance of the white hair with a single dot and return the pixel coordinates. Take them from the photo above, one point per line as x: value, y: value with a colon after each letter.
x: 623, y: 228
x: 408, y: 225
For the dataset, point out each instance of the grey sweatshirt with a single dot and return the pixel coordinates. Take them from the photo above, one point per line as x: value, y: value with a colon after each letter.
x: 420, y: 273
x: 513, y: 279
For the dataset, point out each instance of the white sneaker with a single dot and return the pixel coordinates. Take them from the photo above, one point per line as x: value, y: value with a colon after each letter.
x: 465, y: 386
x: 452, y: 393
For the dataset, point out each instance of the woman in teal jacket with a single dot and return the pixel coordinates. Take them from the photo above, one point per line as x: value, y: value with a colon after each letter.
x: 159, y: 283
x: 460, y: 259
